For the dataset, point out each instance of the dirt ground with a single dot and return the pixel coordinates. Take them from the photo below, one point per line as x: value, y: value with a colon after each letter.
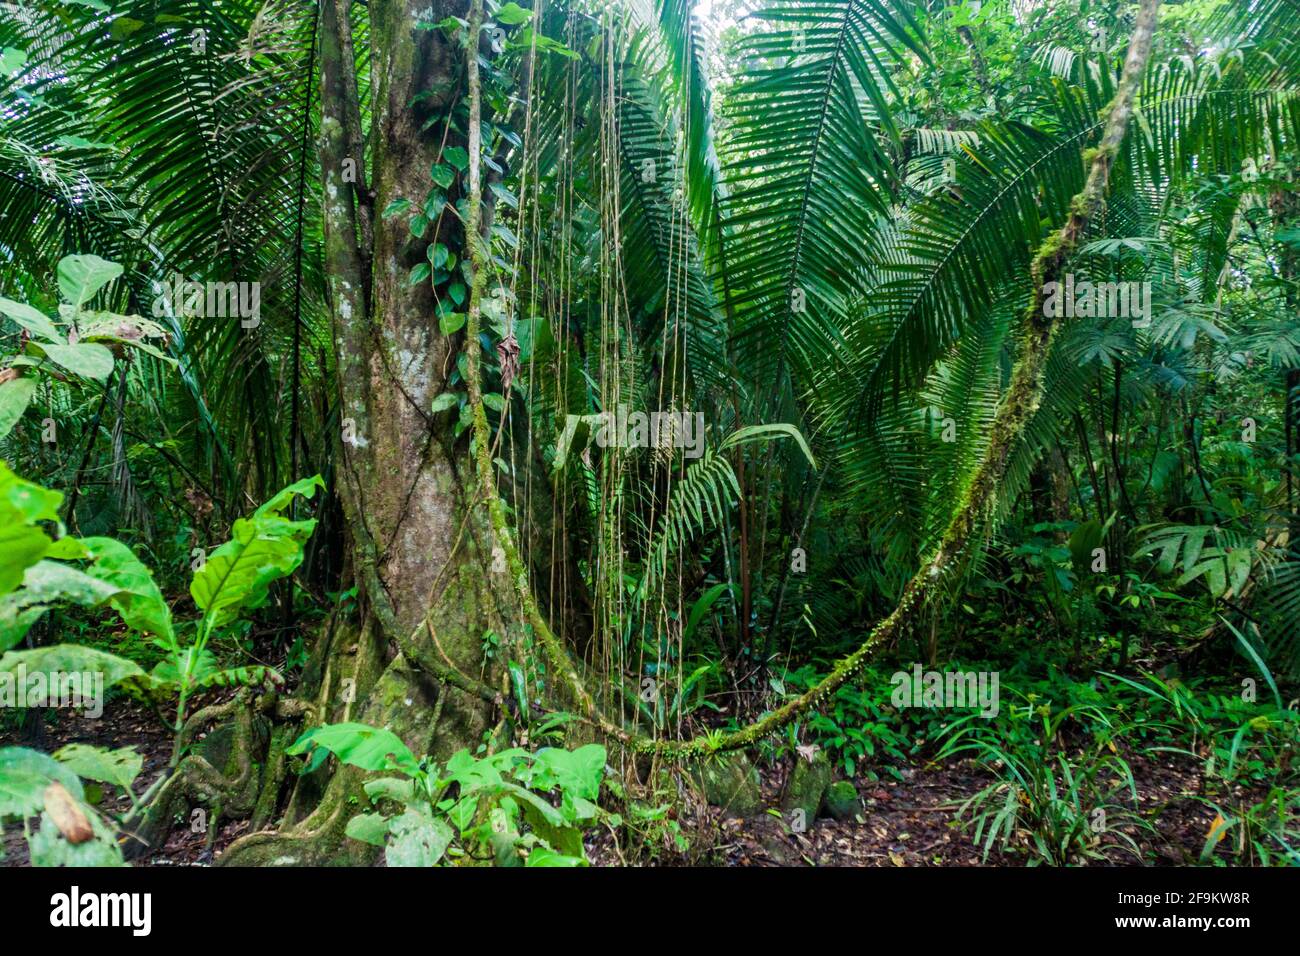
x: 907, y: 822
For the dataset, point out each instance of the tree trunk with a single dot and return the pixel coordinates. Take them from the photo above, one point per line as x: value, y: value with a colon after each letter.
x: 422, y: 544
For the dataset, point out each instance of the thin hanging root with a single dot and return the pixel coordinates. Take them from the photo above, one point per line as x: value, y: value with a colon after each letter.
x: 1016, y: 409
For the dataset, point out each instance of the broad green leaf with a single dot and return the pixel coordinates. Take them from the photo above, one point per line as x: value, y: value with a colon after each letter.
x: 539, y: 812
x: 53, y: 582
x: 445, y: 401
x: 370, y: 748
x: 28, y: 499
x: 33, y: 320
x: 24, y: 775
x: 87, y: 359
x: 186, y: 667
x: 417, y: 839
x: 262, y: 549
x: 529, y: 38
x: 67, y: 548
x: 119, y: 767
x: 138, y: 601
x: 544, y: 856
x: 577, y: 771
x: 553, y: 827
x: 457, y: 156
x: 512, y: 14
x: 21, y: 547
x: 280, y: 500
x: 399, y: 789
x: 15, y: 395
x: 71, y: 659
x: 80, y: 277
x: 49, y: 847
x: 396, y: 206
x: 369, y: 828
x: 116, y: 576
x: 238, y: 575
x: 16, y: 620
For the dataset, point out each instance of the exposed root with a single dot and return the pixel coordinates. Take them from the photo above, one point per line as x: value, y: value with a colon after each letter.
x: 244, y: 785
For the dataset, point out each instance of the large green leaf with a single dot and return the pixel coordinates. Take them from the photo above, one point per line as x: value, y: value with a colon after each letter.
x: 16, y: 620
x: 578, y: 772
x: 280, y: 500
x: 544, y: 856
x: 71, y: 659
x: 29, y: 501
x: 33, y: 320
x: 80, y: 277
x: 49, y: 847
x: 119, y: 767
x: 45, y: 584
x: 15, y: 395
x: 24, y: 775
x: 369, y: 828
x: 114, y: 576
x: 21, y: 546
x: 417, y: 838
x: 138, y: 599
x: 262, y: 549
x: 87, y: 359
x: 238, y: 575
x: 370, y: 748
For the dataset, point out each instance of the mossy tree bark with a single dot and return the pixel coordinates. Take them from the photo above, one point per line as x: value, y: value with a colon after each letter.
x: 422, y: 544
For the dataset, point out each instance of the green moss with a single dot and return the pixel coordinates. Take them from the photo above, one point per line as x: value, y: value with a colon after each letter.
x: 842, y: 800
x: 807, y: 785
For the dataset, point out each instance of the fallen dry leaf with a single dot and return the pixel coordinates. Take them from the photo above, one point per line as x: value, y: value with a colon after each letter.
x: 67, y: 816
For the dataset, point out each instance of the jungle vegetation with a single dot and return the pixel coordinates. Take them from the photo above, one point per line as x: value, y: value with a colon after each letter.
x: 486, y: 432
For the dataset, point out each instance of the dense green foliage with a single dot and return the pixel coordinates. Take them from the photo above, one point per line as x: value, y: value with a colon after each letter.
x: 749, y: 287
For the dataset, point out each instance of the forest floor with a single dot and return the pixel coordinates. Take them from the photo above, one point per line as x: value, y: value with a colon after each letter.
x: 914, y: 822
x: 904, y: 822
